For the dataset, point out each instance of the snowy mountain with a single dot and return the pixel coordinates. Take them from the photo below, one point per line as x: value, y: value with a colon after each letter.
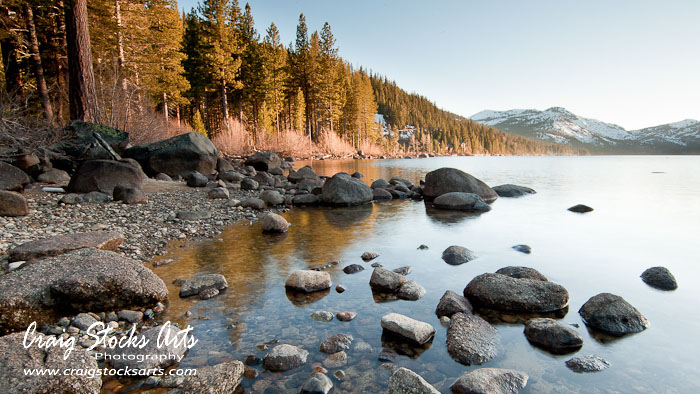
x: 558, y: 125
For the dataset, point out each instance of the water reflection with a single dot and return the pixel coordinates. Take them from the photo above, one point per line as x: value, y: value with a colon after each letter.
x: 444, y: 216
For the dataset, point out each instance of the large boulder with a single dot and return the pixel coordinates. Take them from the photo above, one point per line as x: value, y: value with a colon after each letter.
x: 54, y: 175
x: 411, y: 291
x: 178, y: 155
x: 452, y: 303
x: 405, y: 327
x: 303, y: 173
x: 84, y: 146
x: 104, y: 175
x: 611, y: 314
x: 12, y: 178
x: 79, y: 281
x: 522, y: 273
x: 660, y: 278
x: 383, y: 280
x: 490, y: 381
x: 285, y: 357
x: 343, y: 189
x: 509, y: 190
x: 471, y: 340
x: 405, y: 381
x: 264, y: 161
x: 503, y: 293
x: 60, y: 244
x: 446, y: 180
x: 552, y: 335
x: 308, y: 281
x: 219, y: 378
x: 13, y: 204
x: 456, y: 255
x: 459, y: 201
x: 15, y: 359
x: 163, y: 348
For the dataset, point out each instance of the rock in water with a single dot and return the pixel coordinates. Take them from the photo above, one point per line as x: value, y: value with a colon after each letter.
x: 274, y: 223
x: 305, y: 172
x: 104, y: 175
x: 523, y: 249
x: 202, y: 282
x: 403, y: 326
x: 369, y: 256
x: 342, y: 189
x: 220, y: 378
x: 613, y: 315
x: 660, y: 278
x: 15, y: 359
x: 590, y: 363
x: 385, y: 280
x: 471, y: 340
x: 522, y: 273
x: 336, y: 343
x: 446, y: 180
x: 490, y: 381
x: 324, y: 316
x: 153, y: 355
x: 552, y: 335
x: 178, y: 155
x: 60, y: 244
x: 456, y: 255
x: 264, y: 161
x: 411, y: 291
x: 580, y: 208
x: 285, y: 357
x: 353, y: 269
x: 12, y: 179
x: 308, y: 281
x: 510, y: 190
x: 405, y: 381
x: 451, y: 303
x: 318, y: 383
x: 460, y: 201
x: 503, y: 293
x: 13, y: 204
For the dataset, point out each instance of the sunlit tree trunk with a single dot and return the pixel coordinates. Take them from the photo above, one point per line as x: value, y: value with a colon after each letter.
x: 36, y: 64
x: 81, y: 81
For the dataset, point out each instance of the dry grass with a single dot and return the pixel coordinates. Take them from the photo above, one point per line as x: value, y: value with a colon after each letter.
x: 20, y: 130
x: 331, y: 144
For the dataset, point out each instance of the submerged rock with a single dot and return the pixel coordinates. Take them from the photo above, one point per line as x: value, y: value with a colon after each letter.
x: 411, y: 291
x: 323, y: 316
x: 490, y: 381
x: 522, y: 273
x: 318, y: 383
x: 580, y: 208
x: 220, y: 378
x: 405, y: 270
x: 155, y: 354
x: 552, y: 335
x: 503, y: 293
x: 202, y: 282
x: 308, y: 281
x: 385, y: 280
x: 346, y: 316
x: 461, y: 202
x: 342, y: 189
x: 660, y: 278
x: 523, y: 248
x: 451, y: 303
x: 336, y: 360
x: 403, y: 326
x: 285, y: 357
x: 336, y: 343
x: 590, y: 363
x: 471, y: 340
x: 613, y: 315
x: 456, y: 255
x: 446, y: 180
x: 509, y: 190
x: 405, y: 381
x: 274, y: 223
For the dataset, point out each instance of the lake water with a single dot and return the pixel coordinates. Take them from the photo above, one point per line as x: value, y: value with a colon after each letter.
x: 647, y: 213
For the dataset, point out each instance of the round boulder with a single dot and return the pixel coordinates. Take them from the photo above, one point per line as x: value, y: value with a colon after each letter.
x: 503, y: 293
x: 343, y: 189
x: 510, y: 190
x: 613, y: 315
x: 459, y: 201
x: 308, y: 281
x: 660, y: 278
x: 471, y: 340
x: 285, y: 357
x: 522, y: 273
x: 456, y: 255
x: 274, y: 223
x: 446, y: 180
x: 490, y: 380
x: 552, y: 335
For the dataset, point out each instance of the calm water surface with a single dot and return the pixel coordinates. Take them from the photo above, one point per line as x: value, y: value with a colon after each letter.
x: 647, y: 213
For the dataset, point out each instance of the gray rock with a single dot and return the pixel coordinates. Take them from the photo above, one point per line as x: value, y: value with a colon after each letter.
x: 195, y: 179
x: 660, y: 278
x: 340, y: 288
x: 345, y: 316
x: 263, y: 161
x: 71, y: 199
x: 220, y: 378
x: 460, y: 201
x: 96, y: 198
x: 446, y: 180
x: 13, y: 204
x: 129, y: 195
x: 381, y: 194
x: 54, y: 175
x: 385, y: 280
x: 178, y: 155
x: 202, y: 282
x: 353, y: 269
x: 411, y: 329
x: 336, y: 360
x: 231, y: 176
x: 456, y: 255
x: 305, y: 172
x: 451, y: 303
x: 381, y: 184
x: 523, y: 249
x: 323, y: 316
x: 130, y: 316
x: 274, y: 223
x: 336, y: 343
x: 84, y: 145
x: 272, y: 197
x: 590, y: 363
x: 83, y: 321
x: 308, y: 281
x: 552, y: 335
x: 104, y: 175
x: 522, y: 273
x: 411, y: 291
x: 358, y: 175
x: 580, y: 208
x: 305, y: 199
x: 405, y: 270
x: 471, y: 340
x: 60, y: 244
x: 342, y: 189
x: 318, y: 383
x: 490, y: 381
x: 387, y: 356
x: 254, y: 203
x: 163, y: 177
x: 405, y: 381
x: 503, y: 293
x: 509, y: 190
x: 15, y: 359
x: 218, y: 193
x: 249, y: 184
x: 369, y: 256
x: 285, y: 357
x: 193, y: 215
x: 613, y: 315
x: 12, y: 179
x: 395, y: 180
x: 155, y: 354
x: 223, y: 165
x: 208, y: 293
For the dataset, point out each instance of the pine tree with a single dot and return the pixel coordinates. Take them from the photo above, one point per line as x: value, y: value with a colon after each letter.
x: 275, y: 73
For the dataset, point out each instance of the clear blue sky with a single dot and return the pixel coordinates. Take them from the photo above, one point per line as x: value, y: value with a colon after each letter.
x: 634, y: 63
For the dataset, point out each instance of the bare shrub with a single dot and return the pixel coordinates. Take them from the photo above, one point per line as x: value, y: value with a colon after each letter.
x: 233, y: 140
x: 331, y: 143
x: 22, y: 131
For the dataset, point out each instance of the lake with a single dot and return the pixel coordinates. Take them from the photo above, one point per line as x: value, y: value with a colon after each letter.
x: 647, y: 213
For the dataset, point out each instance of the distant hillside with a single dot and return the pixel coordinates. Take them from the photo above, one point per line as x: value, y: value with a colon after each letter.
x: 422, y: 126
x: 558, y: 125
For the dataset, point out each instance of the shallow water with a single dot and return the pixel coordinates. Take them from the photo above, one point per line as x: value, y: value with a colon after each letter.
x: 646, y: 214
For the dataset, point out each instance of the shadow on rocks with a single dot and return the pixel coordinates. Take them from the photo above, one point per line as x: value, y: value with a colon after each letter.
x: 404, y: 347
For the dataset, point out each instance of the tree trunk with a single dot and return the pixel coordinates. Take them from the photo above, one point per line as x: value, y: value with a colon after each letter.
x: 62, y: 64
x: 36, y: 64
x: 120, y: 44
x: 224, y: 103
x: 81, y: 83
x: 8, y: 47
x: 165, y: 108
x: 177, y: 113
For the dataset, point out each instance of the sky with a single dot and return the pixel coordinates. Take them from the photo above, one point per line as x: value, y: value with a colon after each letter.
x: 632, y: 63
